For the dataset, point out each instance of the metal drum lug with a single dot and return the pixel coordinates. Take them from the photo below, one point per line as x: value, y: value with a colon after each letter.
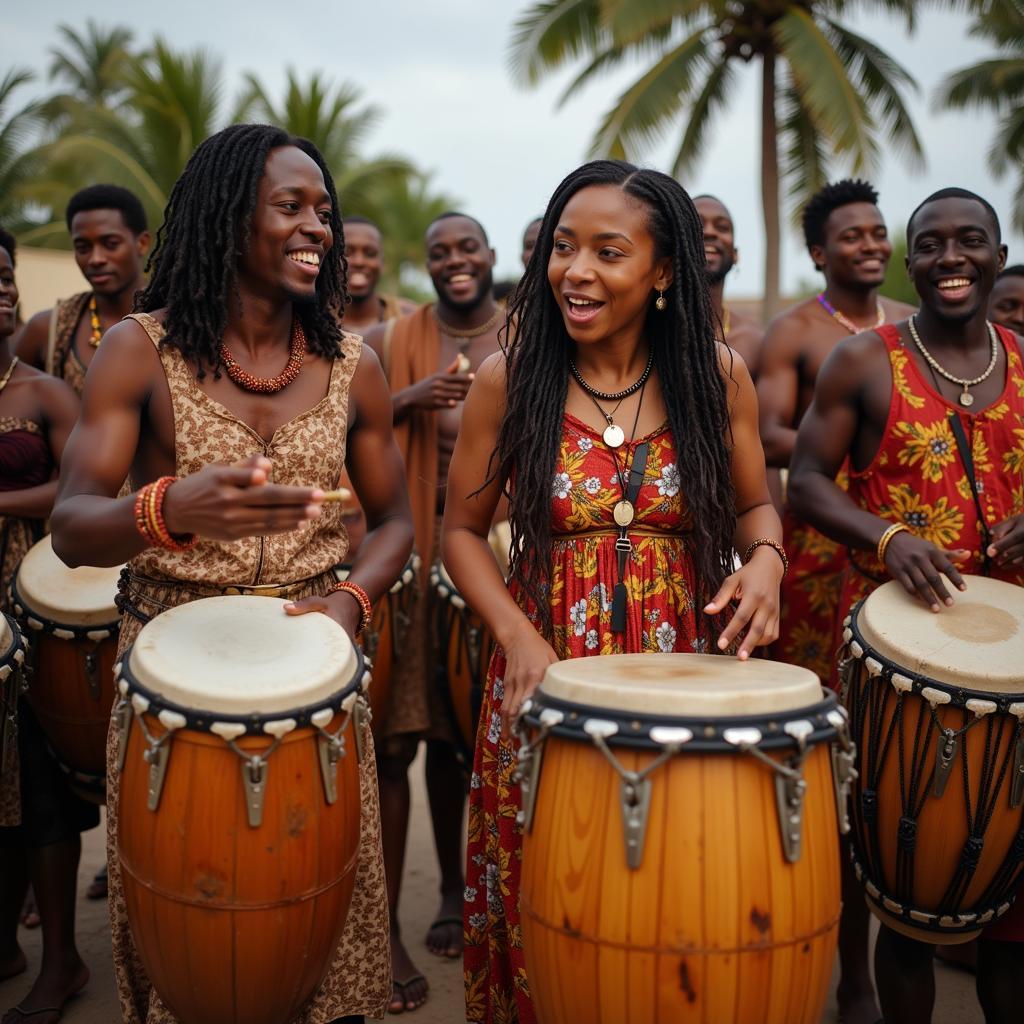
x: 636, y: 808
x: 156, y: 757
x: 254, y: 780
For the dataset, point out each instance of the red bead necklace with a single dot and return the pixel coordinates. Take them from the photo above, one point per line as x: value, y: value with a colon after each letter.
x: 268, y: 385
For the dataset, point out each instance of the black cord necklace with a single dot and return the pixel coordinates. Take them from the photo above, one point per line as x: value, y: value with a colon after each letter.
x: 613, y: 435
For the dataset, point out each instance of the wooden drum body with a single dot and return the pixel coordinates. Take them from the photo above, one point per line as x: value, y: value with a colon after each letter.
x: 382, y: 640
x: 680, y: 866
x: 936, y: 706
x: 74, y: 623
x: 239, y: 804
x: 12, y: 660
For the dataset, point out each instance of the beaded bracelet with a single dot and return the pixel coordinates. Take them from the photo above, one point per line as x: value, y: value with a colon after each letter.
x: 149, y: 518
x: 361, y: 597
x: 768, y: 543
x: 886, y: 538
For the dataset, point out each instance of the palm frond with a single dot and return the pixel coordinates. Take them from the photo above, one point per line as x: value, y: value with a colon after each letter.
x: 712, y: 97
x: 1007, y: 149
x: 143, y: 182
x: 989, y: 83
x: 650, y: 105
x: 552, y: 33
x: 630, y: 21
x: 804, y: 156
x: 830, y: 98
x: 905, y: 10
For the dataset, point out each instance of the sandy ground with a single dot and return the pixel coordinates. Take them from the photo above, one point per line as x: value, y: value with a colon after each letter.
x: 98, y: 1005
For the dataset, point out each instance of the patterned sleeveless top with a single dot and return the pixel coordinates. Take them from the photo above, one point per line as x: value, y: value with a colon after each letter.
x: 64, y: 361
x: 308, y: 451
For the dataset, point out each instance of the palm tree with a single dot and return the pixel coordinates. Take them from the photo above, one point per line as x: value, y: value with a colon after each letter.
x: 997, y: 84
x: 825, y: 90
x: 18, y: 163
x: 92, y: 64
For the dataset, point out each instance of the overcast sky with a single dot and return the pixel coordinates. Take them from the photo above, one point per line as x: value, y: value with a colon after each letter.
x: 439, y: 71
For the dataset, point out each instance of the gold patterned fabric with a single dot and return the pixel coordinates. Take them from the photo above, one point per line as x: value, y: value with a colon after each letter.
x: 309, y: 450
x: 65, y: 364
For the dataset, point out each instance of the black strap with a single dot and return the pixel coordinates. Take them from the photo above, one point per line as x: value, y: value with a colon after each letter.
x: 957, y: 427
x: 623, y: 545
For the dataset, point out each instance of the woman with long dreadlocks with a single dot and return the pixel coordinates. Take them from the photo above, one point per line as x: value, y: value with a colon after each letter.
x: 187, y: 396
x: 611, y: 370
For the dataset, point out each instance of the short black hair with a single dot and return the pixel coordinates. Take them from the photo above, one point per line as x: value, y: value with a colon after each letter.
x: 8, y: 242
x: 356, y: 218
x: 109, y: 197
x: 1017, y: 270
x: 448, y: 214
x: 820, y: 206
x: 956, y: 193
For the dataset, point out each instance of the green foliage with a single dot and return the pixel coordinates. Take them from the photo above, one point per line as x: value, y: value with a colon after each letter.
x: 897, y: 284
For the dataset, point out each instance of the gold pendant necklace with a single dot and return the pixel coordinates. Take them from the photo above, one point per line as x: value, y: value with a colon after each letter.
x: 966, y: 398
x: 7, y: 376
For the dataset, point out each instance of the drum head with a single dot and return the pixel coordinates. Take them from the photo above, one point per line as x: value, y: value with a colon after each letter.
x: 71, y: 597
x: 682, y: 685
x: 240, y: 655
x: 977, y: 644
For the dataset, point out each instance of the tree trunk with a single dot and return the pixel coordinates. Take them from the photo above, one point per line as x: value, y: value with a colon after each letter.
x: 770, y: 186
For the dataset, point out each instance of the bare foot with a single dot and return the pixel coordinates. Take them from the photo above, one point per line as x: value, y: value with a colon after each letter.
x: 858, y: 1006
x: 29, y: 915
x: 444, y: 937
x: 47, y: 997
x: 13, y: 965
x: 409, y: 987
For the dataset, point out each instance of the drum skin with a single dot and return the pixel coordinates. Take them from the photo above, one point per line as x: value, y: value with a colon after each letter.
x: 74, y: 716
x: 234, y: 924
x: 714, y: 927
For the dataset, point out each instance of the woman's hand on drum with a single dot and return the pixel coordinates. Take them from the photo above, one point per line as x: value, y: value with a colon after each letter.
x: 340, y: 606
x: 1007, y: 547
x: 919, y: 565
x: 527, y: 656
x: 756, y: 587
x: 229, y: 502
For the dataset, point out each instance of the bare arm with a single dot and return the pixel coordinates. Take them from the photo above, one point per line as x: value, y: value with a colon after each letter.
x: 778, y: 390
x: 30, y: 344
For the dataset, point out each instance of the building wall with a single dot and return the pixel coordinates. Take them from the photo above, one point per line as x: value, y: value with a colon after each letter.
x: 45, y: 275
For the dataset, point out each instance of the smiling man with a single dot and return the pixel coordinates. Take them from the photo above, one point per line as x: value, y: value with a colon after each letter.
x: 430, y: 358
x: 1006, y: 303
x: 886, y: 402
x: 739, y: 332
x: 110, y: 240
x: 364, y: 250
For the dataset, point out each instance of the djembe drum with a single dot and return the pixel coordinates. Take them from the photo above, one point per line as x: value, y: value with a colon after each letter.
x: 383, y: 638
x: 465, y: 646
x: 936, y: 705
x: 681, y: 858
x: 12, y: 659
x: 74, y: 623
x: 239, y: 804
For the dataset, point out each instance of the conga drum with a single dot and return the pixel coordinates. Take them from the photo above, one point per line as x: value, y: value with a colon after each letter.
x: 74, y: 623
x: 465, y: 645
x: 936, y: 706
x: 12, y: 660
x: 383, y: 638
x: 681, y: 847
x: 239, y: 804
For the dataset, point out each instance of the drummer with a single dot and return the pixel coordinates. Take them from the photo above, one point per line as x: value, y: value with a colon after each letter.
x: 40, y: 818
x: 620, y: 421
x: 891, y: 401
x: 190, y: 398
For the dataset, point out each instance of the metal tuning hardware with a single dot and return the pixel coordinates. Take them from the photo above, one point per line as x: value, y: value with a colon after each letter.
x: 945, y: 755
x: 156, y: 756
x: 123, y: 719
x: 331, y: 750
x: 790, y: 791
x: 1017, y: 786
x: 254, y: 780
x: 531, y: 751
x: 635, y: 795
x: 92, y: 676
x: 360, y: 718
x: 844, y: 757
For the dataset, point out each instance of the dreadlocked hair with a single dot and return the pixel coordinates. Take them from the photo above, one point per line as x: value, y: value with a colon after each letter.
x: 538, y: 348
x: 207, y: 221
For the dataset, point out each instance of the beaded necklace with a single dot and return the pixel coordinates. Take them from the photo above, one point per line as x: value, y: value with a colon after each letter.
x: 844, y: 320
x: 268, y: 385
x: 94, y: 323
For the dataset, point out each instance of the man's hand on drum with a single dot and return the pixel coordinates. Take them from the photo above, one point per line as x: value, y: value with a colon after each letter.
x: 441, y: 390
x: 229, y: 502
x: 756, y: 587
x: 527, y: 656
x: 340, y: 606
x: 1007, y: 547
x: 920, y: 565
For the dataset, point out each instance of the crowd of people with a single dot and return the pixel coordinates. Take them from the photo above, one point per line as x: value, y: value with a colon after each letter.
x: 676, y: 478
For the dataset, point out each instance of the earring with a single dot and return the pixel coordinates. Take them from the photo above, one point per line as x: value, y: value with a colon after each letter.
x: 659, y: 302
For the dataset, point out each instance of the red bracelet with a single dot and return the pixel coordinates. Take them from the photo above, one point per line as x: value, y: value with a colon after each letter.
x: 149, y: 518
x: 362, y: 598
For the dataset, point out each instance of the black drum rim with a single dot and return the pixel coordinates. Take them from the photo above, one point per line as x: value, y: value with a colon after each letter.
x: 23, y: 610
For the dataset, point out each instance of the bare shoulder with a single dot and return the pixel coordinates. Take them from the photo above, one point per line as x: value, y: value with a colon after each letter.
x: 407, y: 306
x: 493, y: 374
x: 374, y: 337
x: 32, y: 337
x: 734, y: 370
x: 855, y: 361
x: 895, y: 310
x: 788, y: 329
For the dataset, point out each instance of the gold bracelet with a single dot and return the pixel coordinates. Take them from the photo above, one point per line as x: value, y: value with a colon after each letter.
x: 886, y: 538
x: 767, y: 542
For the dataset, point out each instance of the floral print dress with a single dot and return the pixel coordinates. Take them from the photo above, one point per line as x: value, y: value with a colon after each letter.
x: 663, y: 615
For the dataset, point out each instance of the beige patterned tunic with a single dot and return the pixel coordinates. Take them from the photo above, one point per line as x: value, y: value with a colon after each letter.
x: 308, y: 450
x: 64, y: 362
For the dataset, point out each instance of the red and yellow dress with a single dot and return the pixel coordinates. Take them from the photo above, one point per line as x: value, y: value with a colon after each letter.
x: 917, y: 477
x: 662, y: 615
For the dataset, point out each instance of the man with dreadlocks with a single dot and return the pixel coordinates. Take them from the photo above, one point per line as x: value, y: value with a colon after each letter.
x: 429, y: 358
x: 848, y: 242
x: 248, y: 275
x: 884, y: 401
x: 110, y: 239
x: 612, y: 354
x: 741, y: 333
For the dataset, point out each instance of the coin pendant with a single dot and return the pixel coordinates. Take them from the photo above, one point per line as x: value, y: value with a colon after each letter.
x: 966, y: 398
x: 623, y: 513
x: 464, y: 363
x: 614, y: 436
